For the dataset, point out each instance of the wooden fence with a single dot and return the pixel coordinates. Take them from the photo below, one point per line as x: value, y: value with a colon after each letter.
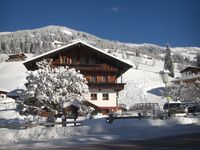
x: 144, y: 106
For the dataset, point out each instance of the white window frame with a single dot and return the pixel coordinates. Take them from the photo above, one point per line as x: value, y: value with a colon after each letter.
x: 105, y: 97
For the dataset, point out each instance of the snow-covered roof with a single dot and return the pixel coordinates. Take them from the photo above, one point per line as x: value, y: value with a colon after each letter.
x: 69, y: 103
x: 6, y: 100
x: 187, y: 78
x: 190, y: 68
x: 74, y: 43
x: 12, y: 76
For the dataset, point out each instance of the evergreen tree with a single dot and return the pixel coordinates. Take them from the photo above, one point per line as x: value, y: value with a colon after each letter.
x: 137, y: 53
x: 168, y: 64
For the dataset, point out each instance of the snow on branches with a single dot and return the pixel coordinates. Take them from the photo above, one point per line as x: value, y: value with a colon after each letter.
x: 168, y: 63
x: 184, y: 92
x: 49, y: 85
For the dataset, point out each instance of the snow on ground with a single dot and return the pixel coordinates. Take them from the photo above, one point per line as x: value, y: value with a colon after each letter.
x: 67, y: 31
x: 143, y: 85
x: 12, y: 76
x: 7, y: 103
x: 8, y: 113
x: 96, y: 130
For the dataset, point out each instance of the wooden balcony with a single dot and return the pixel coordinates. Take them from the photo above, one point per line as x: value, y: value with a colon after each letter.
x: 89, y: 67
x: 114, y: 86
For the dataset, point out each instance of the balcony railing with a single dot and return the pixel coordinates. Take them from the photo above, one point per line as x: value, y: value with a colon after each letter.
x: 190, y: 74
x: 187, y: 77
x: 89, y: 67
x: 114, y: 86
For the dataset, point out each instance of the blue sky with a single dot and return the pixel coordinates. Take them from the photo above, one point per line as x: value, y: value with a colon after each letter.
x: 176, y: 22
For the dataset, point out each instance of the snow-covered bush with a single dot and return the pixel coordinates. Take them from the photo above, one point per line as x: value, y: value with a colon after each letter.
x: 51, y: 87
x: 87, y: 110
x: 185, y: 92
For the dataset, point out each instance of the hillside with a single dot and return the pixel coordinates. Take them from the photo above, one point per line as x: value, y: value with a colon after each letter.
x: 40, y: 40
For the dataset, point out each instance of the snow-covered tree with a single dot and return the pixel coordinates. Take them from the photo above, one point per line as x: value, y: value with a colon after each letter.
x: 137, y: 61
x: 184, y: 92
x: 51, y: 87
x: 198, y: 59
x: 168, y: 64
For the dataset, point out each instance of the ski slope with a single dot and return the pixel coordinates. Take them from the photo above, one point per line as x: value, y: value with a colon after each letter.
x: 143, y: 85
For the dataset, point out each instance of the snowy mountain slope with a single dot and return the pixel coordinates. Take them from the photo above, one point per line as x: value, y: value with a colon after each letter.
x: 143, y: 85
x: 47, y: 38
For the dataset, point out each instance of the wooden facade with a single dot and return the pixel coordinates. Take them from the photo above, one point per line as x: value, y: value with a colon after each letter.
x: 101, y: 70
x: 16, y: 57
x: 188, y: 75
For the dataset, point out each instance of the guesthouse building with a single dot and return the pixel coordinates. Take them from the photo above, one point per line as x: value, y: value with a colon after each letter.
x: 102, y: 71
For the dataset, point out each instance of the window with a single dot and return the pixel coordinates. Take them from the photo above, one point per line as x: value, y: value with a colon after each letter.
x: 105, y: 96
x: 64, y: 59
x: 69, y: 60
x: 104, y: 79
x: 93, y: 96
x: 61, y: 60
x: 74, y: 60
x: 93, y: 79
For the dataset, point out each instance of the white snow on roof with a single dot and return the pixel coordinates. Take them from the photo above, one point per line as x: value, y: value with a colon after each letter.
x: 76, y: 42
x: 69, y: 103
x: 6, y: 100
x: 12, y: 75
x: 7, y: 103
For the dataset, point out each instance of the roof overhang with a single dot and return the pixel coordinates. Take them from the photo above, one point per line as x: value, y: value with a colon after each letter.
x: 122, y: 65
